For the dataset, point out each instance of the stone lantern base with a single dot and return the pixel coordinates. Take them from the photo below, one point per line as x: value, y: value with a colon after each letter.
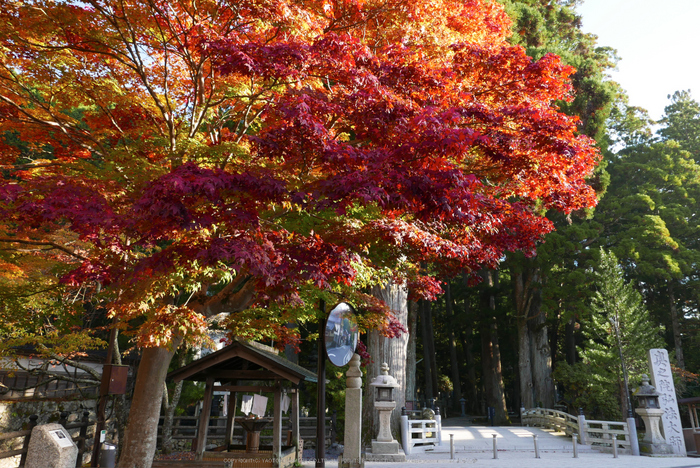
x: 656, y: 450
x: 386, y: 452
x: 654, y: 443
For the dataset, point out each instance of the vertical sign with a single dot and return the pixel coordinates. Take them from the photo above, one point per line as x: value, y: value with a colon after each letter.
x: 662, y: 380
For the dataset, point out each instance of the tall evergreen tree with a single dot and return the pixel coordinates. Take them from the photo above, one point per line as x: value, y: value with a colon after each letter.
x: 652, y: 222
x: 681, y: 122
x: 618, y: 335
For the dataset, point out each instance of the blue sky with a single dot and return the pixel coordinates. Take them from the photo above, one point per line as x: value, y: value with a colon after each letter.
x: 658, y: 42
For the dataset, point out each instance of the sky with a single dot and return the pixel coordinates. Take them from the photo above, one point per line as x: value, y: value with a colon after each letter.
x: 658, y: 42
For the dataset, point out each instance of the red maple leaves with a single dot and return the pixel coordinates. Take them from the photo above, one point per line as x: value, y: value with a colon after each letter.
x: 283, y: 141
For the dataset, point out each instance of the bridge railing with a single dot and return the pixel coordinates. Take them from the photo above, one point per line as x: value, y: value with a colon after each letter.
x: 590, y: 432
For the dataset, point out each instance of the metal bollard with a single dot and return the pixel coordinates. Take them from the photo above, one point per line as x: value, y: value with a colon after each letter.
x: 573, y: 439
x: 495, y: 448
x: 613, y: 439
x: 452, y: 446
x: 537, y: 450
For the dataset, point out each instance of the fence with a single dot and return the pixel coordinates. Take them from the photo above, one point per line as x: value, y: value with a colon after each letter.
x: 595, y: 433
x: 185, y: 428
x: 420, y: 432
x: 21, y: 385
x: 80, y: 439
x: 602, y: 433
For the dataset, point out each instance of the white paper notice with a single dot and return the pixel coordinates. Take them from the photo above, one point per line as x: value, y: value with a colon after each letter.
x: 259, y: 405
x: 63, y: 439
x: 247, y: 404
x: 662, y: 380
x: 285, y: 403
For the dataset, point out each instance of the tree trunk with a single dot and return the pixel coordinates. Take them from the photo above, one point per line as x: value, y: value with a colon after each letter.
x: 411, y: 352
x: 541, y: 356
x: 472, y: 396
x: 493, y: 378
x: 430, y: 339
x: 527, y: 399
x: 570, y: 341
x: 169, y: 408
x: 120, y: 404
x: 535, y: 366
x: 553, y: 332
x: 522, y: 307
x: 393, y: 352
x: 491, y: 354
x: 140, y: 436
x: 425, y: 335
x: 675, y: 323
x: 456, y: 382
x: 467, y: 336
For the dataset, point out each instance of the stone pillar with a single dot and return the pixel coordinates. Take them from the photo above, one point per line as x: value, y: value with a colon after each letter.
x: 662, y: 380
x: 352, y: 453
x: 582, y: 427
x: 634, y: 441
x: 405, y: 434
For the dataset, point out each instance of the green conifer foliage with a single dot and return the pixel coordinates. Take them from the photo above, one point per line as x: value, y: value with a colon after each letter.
x: 619, y: 326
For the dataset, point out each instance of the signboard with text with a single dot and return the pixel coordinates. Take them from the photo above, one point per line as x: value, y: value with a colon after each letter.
x: 662, y: 380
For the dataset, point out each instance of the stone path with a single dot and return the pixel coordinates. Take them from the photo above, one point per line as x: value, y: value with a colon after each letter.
x: 474, y: 448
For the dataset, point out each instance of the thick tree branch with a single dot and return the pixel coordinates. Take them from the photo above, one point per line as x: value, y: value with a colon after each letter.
x: 232, y: 298
x: 53, y: 245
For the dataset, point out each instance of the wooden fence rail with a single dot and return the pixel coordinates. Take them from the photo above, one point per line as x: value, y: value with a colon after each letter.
x: 217, y: 429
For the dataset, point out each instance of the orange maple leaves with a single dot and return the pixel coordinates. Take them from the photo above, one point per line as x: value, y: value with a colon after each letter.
x: 288, y: 140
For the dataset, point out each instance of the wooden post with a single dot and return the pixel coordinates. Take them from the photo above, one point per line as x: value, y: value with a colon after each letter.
x: 63, y: 418
x: 277, y: 427
x: 230, y: 417
x: 294, y: 421
x: 203, y: 428
x: 25, y: 447
x: 102, y: 402
x: 85, y: 422
x: 321, y: 400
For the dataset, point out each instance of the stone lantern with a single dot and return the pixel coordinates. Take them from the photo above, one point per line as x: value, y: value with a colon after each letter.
x: 650, y: 411
x: 646, y: 395
x: 384, y: 447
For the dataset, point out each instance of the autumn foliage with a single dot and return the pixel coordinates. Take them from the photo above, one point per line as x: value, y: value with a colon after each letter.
x: 187, y: 151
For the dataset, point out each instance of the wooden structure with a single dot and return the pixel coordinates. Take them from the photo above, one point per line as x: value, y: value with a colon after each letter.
x: 265, y: 371
x: 692, y: 434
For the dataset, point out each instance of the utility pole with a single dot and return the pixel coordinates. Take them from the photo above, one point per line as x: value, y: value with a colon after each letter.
x: 321, y: 385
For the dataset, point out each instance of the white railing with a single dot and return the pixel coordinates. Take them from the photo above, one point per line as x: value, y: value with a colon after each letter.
x: 420, y: 432
x: 595, y: 433
x: 602, y: 432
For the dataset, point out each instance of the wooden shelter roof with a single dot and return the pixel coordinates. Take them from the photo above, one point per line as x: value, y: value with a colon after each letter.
x: 243, y: 360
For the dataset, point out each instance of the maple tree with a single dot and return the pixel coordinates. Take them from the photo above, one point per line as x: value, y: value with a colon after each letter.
x: 237, y: 158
